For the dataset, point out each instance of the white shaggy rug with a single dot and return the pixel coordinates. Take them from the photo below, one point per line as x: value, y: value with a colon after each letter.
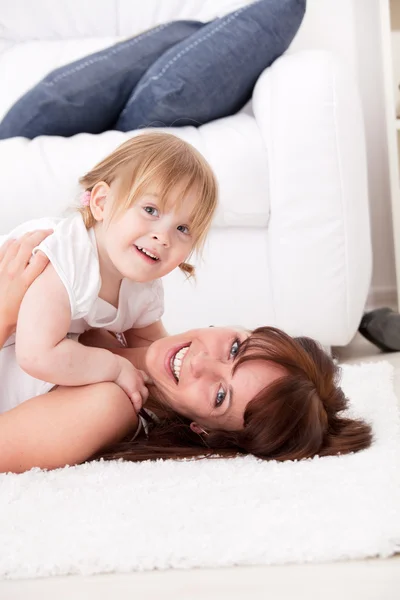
x: 120, y: 517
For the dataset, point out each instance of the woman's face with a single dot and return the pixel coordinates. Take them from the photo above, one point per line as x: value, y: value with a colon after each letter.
x: 193, y: 373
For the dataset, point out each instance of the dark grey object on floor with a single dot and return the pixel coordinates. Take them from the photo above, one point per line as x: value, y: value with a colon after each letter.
x: 382, y: 328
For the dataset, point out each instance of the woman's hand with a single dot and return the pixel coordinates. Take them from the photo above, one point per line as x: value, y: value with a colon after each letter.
x: 18, y: 269
x: 133, y: 382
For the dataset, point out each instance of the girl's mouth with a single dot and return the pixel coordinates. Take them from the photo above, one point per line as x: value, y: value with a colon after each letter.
x: 147, y: 255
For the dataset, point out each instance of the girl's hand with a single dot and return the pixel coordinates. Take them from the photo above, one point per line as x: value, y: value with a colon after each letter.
x: 133, y: 382
x: 17, y: 274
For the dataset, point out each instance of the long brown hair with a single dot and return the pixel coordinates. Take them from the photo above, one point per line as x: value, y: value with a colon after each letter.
x: 297, y: 416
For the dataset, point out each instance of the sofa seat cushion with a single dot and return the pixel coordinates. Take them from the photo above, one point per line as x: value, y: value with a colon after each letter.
x: 40, y: 177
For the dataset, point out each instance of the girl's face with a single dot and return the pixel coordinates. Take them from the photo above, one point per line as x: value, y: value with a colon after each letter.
x: 144, y: 242
x: 193, y: 375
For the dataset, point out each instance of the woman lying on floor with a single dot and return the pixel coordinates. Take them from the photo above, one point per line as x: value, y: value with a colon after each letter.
x: 216, y: 391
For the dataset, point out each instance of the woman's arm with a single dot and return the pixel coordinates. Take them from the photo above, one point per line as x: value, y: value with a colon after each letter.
x: 99, y: 338
x: 64, y: 427
x: 18, y: 269
x: 137, y: 338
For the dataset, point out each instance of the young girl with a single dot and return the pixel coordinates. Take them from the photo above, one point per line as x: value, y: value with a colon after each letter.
x: 145, y: 209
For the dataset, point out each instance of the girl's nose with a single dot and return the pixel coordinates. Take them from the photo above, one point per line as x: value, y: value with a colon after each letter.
x: 162, y: 238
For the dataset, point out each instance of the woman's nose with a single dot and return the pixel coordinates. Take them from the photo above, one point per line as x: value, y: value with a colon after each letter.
x: 202, y: 364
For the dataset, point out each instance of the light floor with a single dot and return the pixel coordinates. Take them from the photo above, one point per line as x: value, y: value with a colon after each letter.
x: 356, y: 580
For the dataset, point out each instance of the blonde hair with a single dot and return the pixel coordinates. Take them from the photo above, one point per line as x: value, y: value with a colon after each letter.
x: 168, y: 161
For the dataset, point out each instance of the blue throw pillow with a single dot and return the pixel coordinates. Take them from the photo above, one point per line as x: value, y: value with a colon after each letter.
x: 89, y: 94
x: 212, y: 74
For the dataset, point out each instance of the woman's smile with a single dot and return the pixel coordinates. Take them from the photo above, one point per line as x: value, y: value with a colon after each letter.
x: 173, y: 360
x: 177, y: 360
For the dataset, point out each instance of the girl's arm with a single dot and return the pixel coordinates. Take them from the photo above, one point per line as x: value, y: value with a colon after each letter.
x: 64, y: 427
x: 42, y: 348
x: 45, y: 353
x: 136, y: 338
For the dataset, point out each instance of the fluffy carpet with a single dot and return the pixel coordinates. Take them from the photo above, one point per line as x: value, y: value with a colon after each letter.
x: 120, y: 517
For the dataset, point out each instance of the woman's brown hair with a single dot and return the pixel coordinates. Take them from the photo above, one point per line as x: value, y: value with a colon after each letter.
x: 298, y: 416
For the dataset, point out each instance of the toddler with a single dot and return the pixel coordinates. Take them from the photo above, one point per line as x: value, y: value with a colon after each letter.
x: 144, y: 210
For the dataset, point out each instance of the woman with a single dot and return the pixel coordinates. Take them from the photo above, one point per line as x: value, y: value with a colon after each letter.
x: 216, y: 391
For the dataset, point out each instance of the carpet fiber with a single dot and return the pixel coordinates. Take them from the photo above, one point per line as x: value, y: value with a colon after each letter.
x: 120, y: 517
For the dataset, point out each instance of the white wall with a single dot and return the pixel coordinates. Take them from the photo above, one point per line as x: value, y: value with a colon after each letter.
x: 351, y: 29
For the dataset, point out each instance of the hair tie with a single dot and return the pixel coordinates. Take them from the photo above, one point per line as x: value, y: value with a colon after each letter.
x: 85, y: 198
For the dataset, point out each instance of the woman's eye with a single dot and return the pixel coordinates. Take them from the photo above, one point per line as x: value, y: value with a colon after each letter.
x: 183, y: 229
x: 151, y: 210
x: 234, y: 348
x: 220, y: 397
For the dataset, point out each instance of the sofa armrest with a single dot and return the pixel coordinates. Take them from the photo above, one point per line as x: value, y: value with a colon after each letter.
x: 309, y: 115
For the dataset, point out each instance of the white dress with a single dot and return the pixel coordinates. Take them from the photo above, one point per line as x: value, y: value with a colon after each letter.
x: 73, y: 253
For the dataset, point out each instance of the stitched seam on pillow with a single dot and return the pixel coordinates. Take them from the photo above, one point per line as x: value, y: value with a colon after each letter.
x: 184, y: 51
x: 113, y: 51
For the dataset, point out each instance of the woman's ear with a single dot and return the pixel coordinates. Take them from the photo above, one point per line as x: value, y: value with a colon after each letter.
x: 98, y: 199
x: 197, y: 429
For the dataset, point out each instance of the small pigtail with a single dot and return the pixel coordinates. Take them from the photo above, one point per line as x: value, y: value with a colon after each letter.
x: 188, y: 270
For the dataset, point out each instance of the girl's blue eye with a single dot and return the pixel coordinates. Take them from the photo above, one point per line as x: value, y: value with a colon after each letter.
x: 234, y: 348
x: 220, y: 397
x: 151, y: 210
x: 183, y: 229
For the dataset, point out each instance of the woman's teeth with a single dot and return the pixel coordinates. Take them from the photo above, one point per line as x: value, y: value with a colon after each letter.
x: 177, y: 360
x: 147, y: 253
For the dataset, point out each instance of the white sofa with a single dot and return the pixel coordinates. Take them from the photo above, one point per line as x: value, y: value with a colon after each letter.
x: 290, y: 245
